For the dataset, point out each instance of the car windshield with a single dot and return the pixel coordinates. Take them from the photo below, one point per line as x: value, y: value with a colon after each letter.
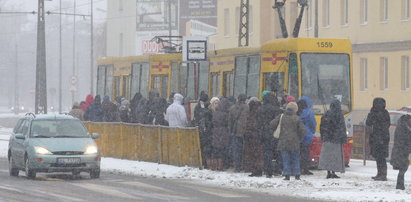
x: 326, y: 76
x: 57, y: 128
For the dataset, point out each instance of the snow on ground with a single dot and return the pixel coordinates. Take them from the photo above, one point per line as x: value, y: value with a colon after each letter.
x: 354, y: 185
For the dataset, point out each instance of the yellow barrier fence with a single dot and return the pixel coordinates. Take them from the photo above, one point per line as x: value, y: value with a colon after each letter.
x: 159, y: 144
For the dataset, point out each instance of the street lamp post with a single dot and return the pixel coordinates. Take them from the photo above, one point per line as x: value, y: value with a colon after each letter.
x: 41, y: 79
x: 91, y: 50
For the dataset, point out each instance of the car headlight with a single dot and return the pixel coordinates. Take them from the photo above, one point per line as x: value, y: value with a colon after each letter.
x: 42, y: 150
x: 91, y: 150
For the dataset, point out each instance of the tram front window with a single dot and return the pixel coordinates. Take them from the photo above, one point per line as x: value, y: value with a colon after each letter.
x: 325, y: 77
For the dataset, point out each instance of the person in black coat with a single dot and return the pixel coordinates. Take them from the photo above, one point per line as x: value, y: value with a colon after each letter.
x: 379, y: 120
x: 265, y: 114
x: 401, y: 149
x: 94, y: 111
x: 334, y: 135
x: 203, y: 120
x: 160, y: 108
x: 110, y: 110
x: 133, y: 107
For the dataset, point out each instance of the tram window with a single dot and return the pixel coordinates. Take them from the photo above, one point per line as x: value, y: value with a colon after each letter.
x: 127, y: 87
x: 183, y: 80
x: 101, y: 80
x: 215, y: 84
x: 293, y: 76
x: 253, y: 76
x: 145, y: 75
x: 109, y: 81
x: 203, y: 76
x: 174, y: 77
x: 156, y: 83
x: 164, y: 86
x: 274, y: 81
x: 117, y: 81
x: 135, y: 78
x: 191, y: 81
x: 228, y: 82
x: 241, y: 64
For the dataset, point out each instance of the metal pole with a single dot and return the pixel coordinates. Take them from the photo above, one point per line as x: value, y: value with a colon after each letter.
x: 316, y: 20
x: 60, y: 66
x: 169, y: 21
x: 91, y: 51
x: 16, y: 83
x: 74, y: 51
x: 41, y: 78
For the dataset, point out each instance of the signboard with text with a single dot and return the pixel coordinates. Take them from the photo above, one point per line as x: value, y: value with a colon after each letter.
x: 153, y: 15
x: 201, y: 10
x: 194, y: 49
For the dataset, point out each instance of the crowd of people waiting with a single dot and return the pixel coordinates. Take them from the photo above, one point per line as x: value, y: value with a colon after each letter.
x: 241, y: 133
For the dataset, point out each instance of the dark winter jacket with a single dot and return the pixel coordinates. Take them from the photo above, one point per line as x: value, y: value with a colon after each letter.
x: 203, y: 120
x: 141, y: 111
x: 265, y: 114
x: 133, y: 107
x: 332, y: 126
x: 379, y: 120
x: 292, y: 131
x: 94, y: 111
x: 160, y: 108
x: 150, y: 108
x: 308, y: 118
x: 237, y: 119
x: 110, y: 111
x: 220, y: 135
x: 402, y: 143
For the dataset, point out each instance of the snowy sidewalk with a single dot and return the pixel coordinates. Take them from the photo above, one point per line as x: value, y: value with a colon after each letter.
x: 354, y: 185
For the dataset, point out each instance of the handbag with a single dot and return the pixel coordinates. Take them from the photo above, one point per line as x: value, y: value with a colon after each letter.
x: 276, y: 133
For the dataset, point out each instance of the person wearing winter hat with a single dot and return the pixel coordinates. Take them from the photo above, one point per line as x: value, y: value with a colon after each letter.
x: 292, y: 132
x: 213, y: 103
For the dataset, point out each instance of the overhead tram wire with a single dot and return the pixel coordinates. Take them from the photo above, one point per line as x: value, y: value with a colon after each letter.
x: 80, y: 5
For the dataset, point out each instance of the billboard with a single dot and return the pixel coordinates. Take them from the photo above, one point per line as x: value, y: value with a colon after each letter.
x: 153, y: 15
x: 201, y: 10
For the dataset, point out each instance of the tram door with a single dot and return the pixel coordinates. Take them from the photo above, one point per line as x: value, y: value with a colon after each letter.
x: 228, y: 84
x: 160, y: 83
x: 215, y: 84
x: 116, y: 86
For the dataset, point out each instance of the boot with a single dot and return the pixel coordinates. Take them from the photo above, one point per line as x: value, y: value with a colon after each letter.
x: 287, y: 177
x: 383, y: 174
x: 400, y: 180
x: 297, y: 177
x: 333, y: 175
x: 329, y: 175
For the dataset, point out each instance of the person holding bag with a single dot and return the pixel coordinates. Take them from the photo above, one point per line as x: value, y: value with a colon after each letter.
x: 292, y: 131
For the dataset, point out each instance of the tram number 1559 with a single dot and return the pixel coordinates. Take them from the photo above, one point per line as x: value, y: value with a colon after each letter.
x: 324, y: 44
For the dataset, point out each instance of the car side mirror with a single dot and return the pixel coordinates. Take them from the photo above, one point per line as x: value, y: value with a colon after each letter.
x: 20, y: 136
x: 95, y: 135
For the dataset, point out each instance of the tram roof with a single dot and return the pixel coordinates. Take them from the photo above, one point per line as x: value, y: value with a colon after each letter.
x: 233, y: 51
x: 307, y: 44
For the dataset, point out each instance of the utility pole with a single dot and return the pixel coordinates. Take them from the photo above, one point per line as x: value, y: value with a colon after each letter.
x: 169, y: 21
x: 41, y: 79
x: 60, y: 66
x: 16, y: 83
x: 91, y: 51
x: 74, y: 52
x: 244, y: 17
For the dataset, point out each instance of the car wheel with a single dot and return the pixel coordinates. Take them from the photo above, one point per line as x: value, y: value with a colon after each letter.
x: 29, y: 172
x: 13, y: 171
x: 95, y: 173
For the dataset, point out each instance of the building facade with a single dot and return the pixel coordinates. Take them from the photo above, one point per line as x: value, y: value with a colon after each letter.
x: 379, y: 30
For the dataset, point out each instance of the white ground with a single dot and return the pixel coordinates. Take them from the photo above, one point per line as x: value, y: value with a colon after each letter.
x: 354, y: 185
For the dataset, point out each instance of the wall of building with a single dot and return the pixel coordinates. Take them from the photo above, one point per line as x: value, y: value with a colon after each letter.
x: 121, y: 27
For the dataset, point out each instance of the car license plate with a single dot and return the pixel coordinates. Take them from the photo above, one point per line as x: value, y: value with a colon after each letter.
x: 68, y: 160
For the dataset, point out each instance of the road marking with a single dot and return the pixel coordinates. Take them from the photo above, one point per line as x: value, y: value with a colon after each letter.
x: 106, y: 190
x: 217, y: 192
x: 169, y: 195
x: 11, y: 189
x: 4, y: 171
x: 59, y: 196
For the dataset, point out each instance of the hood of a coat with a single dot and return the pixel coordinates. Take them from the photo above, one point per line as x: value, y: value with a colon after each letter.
x: 178, y: 98
x: 307, y: 101
x: 378, y: 104
x: 89, y: 99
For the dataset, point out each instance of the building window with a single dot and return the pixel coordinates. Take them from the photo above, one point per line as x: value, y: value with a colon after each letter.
x: 405, y: 73
x: 326, y: 13
x: 405, y: 9
x: 344, y: 12
x: 383, y: 73
x: 226, y: 22
x: 364, y: 11
x: 363, y: 74
x: 309, y: 18
x: 120, y: 51
x: 384, y: 10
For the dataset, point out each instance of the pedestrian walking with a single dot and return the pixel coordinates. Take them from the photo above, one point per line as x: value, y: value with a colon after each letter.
x: 307, y: 116
x: 265, y: 114
x: 333, y: 136
x: 379, y: 121
x: 292, y: 131
x: 401, y: 149
x: 175, y: 113
x: 237, y: 120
